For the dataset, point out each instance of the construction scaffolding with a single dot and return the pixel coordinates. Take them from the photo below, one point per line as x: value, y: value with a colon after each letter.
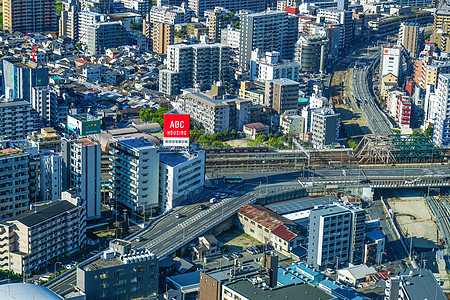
x: 397, y: 149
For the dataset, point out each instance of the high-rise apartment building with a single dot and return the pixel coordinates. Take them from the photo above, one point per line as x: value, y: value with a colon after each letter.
x: 336, y: 236
x: 311, y: 52
x: 199, y: 6
x: 281, y: 94
x: 269, y: 66
x: 38, y: 237
x: 102, y: 36
x: 141, y: 7
x: 81, y: 170
x: 411, y: 37
x: 215, y: 22
x: 342, y: 18
x: 14, y: 188
x: 267, y: 31
x: 85, y: 20
x: 324, y: 127
x: 50, y: 172
x: 17, y: 119
x: 68, y: 22
x: 159, y: 25
x: 198, y: 65
x: 30, y: 16
x: 19, y: 78
x: 441, y: 133
x: 135, y: 173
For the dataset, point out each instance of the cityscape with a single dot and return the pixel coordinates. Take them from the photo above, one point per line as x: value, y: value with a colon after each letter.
x: 224, y: 150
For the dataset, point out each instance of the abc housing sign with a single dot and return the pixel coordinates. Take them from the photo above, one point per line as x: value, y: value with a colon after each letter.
x: 176, y: 130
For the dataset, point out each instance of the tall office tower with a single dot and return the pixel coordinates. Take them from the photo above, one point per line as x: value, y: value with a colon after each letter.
x: 411, y: 37
x: 195, y: 65
x: 68, y: 23
x: 102, y: 36
x: 30, y: 16
x: 441, y: 135
x: 199, y: 6
x: 324, y: 127
x: 267, y: 31
x: 135, y: 173
x: 311, y: 52
x: 81, y: 170
x: 19, y: 78
x: 85, y: 20
x: 14, y: 188
x: 342, y: 18
x: 281, y: 94
x: 50, y: 172
x: 159, y: 25
x: 336, y: 236
x: 17, y: 119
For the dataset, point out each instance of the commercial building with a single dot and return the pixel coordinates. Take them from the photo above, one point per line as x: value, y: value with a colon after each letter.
x: 411, y: 37
x: 281, y: 94
x: 441, y: 133
x: 311, y: 53
x: 50, y: 177
x: 414, y: 284
x: 182, y: 175
x: 269, y: 66
x: 253, y: 129
x: 102, y: 36
x: 22, y: 78
x: 17, y: 119
x: 324, y: 127
x: 199, y: 6
x: 135, y: 173
x: 37, y: 237
x: 336, y: 236
x: 267, y: 31
x: 355, y: 275
x: 14, y: 188
x: 253, y: 91
x: 121, y: 272
x: 17, y: 16
x: 292, y: 124
x: 46, y: 139
x: 215, y: 111
x: 393, y: 62
x: 81, y: 170
x: 198, y: 65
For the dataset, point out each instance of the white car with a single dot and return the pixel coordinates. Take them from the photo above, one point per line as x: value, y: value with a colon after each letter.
x: 44, y: 278
x: 213, y: 200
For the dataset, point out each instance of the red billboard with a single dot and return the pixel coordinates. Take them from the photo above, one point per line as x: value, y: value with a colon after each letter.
x: 176, y: 130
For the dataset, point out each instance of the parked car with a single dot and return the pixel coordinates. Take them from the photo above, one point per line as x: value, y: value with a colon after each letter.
x: 213, y: 200
x: 178, y: 215
x: 236, y: 255
x: 44, y: 278
x: 227, y: 257
x: 202, y: 207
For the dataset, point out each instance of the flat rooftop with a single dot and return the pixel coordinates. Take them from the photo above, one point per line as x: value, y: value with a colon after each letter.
x: 174, y: 159
x: 101, y: 263
x: 84, y: 117
x: 296, y: 205
x: 299, y: 291
x: 136, y: 143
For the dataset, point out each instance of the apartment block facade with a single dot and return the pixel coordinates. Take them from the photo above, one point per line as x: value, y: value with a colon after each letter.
x: 17, y: 119
x: 30, y: 16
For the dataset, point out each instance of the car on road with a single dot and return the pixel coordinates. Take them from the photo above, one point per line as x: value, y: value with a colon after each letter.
x: 178, y: 215
x: 93, y: 252
x: 418, y: 179
x: 364, y: 181
x: 409, y: 181
x: 213, y: 200
x: 68, y: 266
x: 36, y: 282
x: 138, y: 239
x: 202, y: 207
x: 44, y: 278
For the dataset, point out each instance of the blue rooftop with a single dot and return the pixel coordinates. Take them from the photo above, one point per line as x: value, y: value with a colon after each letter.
x: 133, y: 142
x: 375, y: 235
x: 286, y: 278
x: 173, y: 159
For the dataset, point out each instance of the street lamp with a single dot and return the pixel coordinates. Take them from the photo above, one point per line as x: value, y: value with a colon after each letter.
x: 58, y: 262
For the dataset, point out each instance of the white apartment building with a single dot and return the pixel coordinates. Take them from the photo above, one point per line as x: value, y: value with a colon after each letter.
x: 269, y: 66
x: 135, y: 173
x: 14, y: 182
x: 43, y: 100
x: 195, y: 65
x: 82, y: 171
x: 171, y: 14
x: 182, y: 176
x: 441, y: 135
x: 214, y: 112
x: 91, y: 73
x: 85, y: 20
x: 68, y: 23
x: 324, y: 127
x: 336, y: 235
x: 38, y: 237
x: 230, y: 36
x: 339, y: 17
x: 141, y: 7
x: 199, y: 6
x: 391, y: 61
x: 50, y: 177
x: 292, y: 124
x: 17, y: 119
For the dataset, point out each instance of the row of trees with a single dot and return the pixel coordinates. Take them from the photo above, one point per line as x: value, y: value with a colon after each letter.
x: 215, y: 140
x: 272, y: 140
x: 147, y: 115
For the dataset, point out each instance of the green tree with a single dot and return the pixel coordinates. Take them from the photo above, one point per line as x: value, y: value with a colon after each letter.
x: 237, y: 25
x: 428, y: 132
x: 58, y: 7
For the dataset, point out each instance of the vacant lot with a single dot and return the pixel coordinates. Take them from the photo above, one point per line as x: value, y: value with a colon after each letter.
x: 237, y: 240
